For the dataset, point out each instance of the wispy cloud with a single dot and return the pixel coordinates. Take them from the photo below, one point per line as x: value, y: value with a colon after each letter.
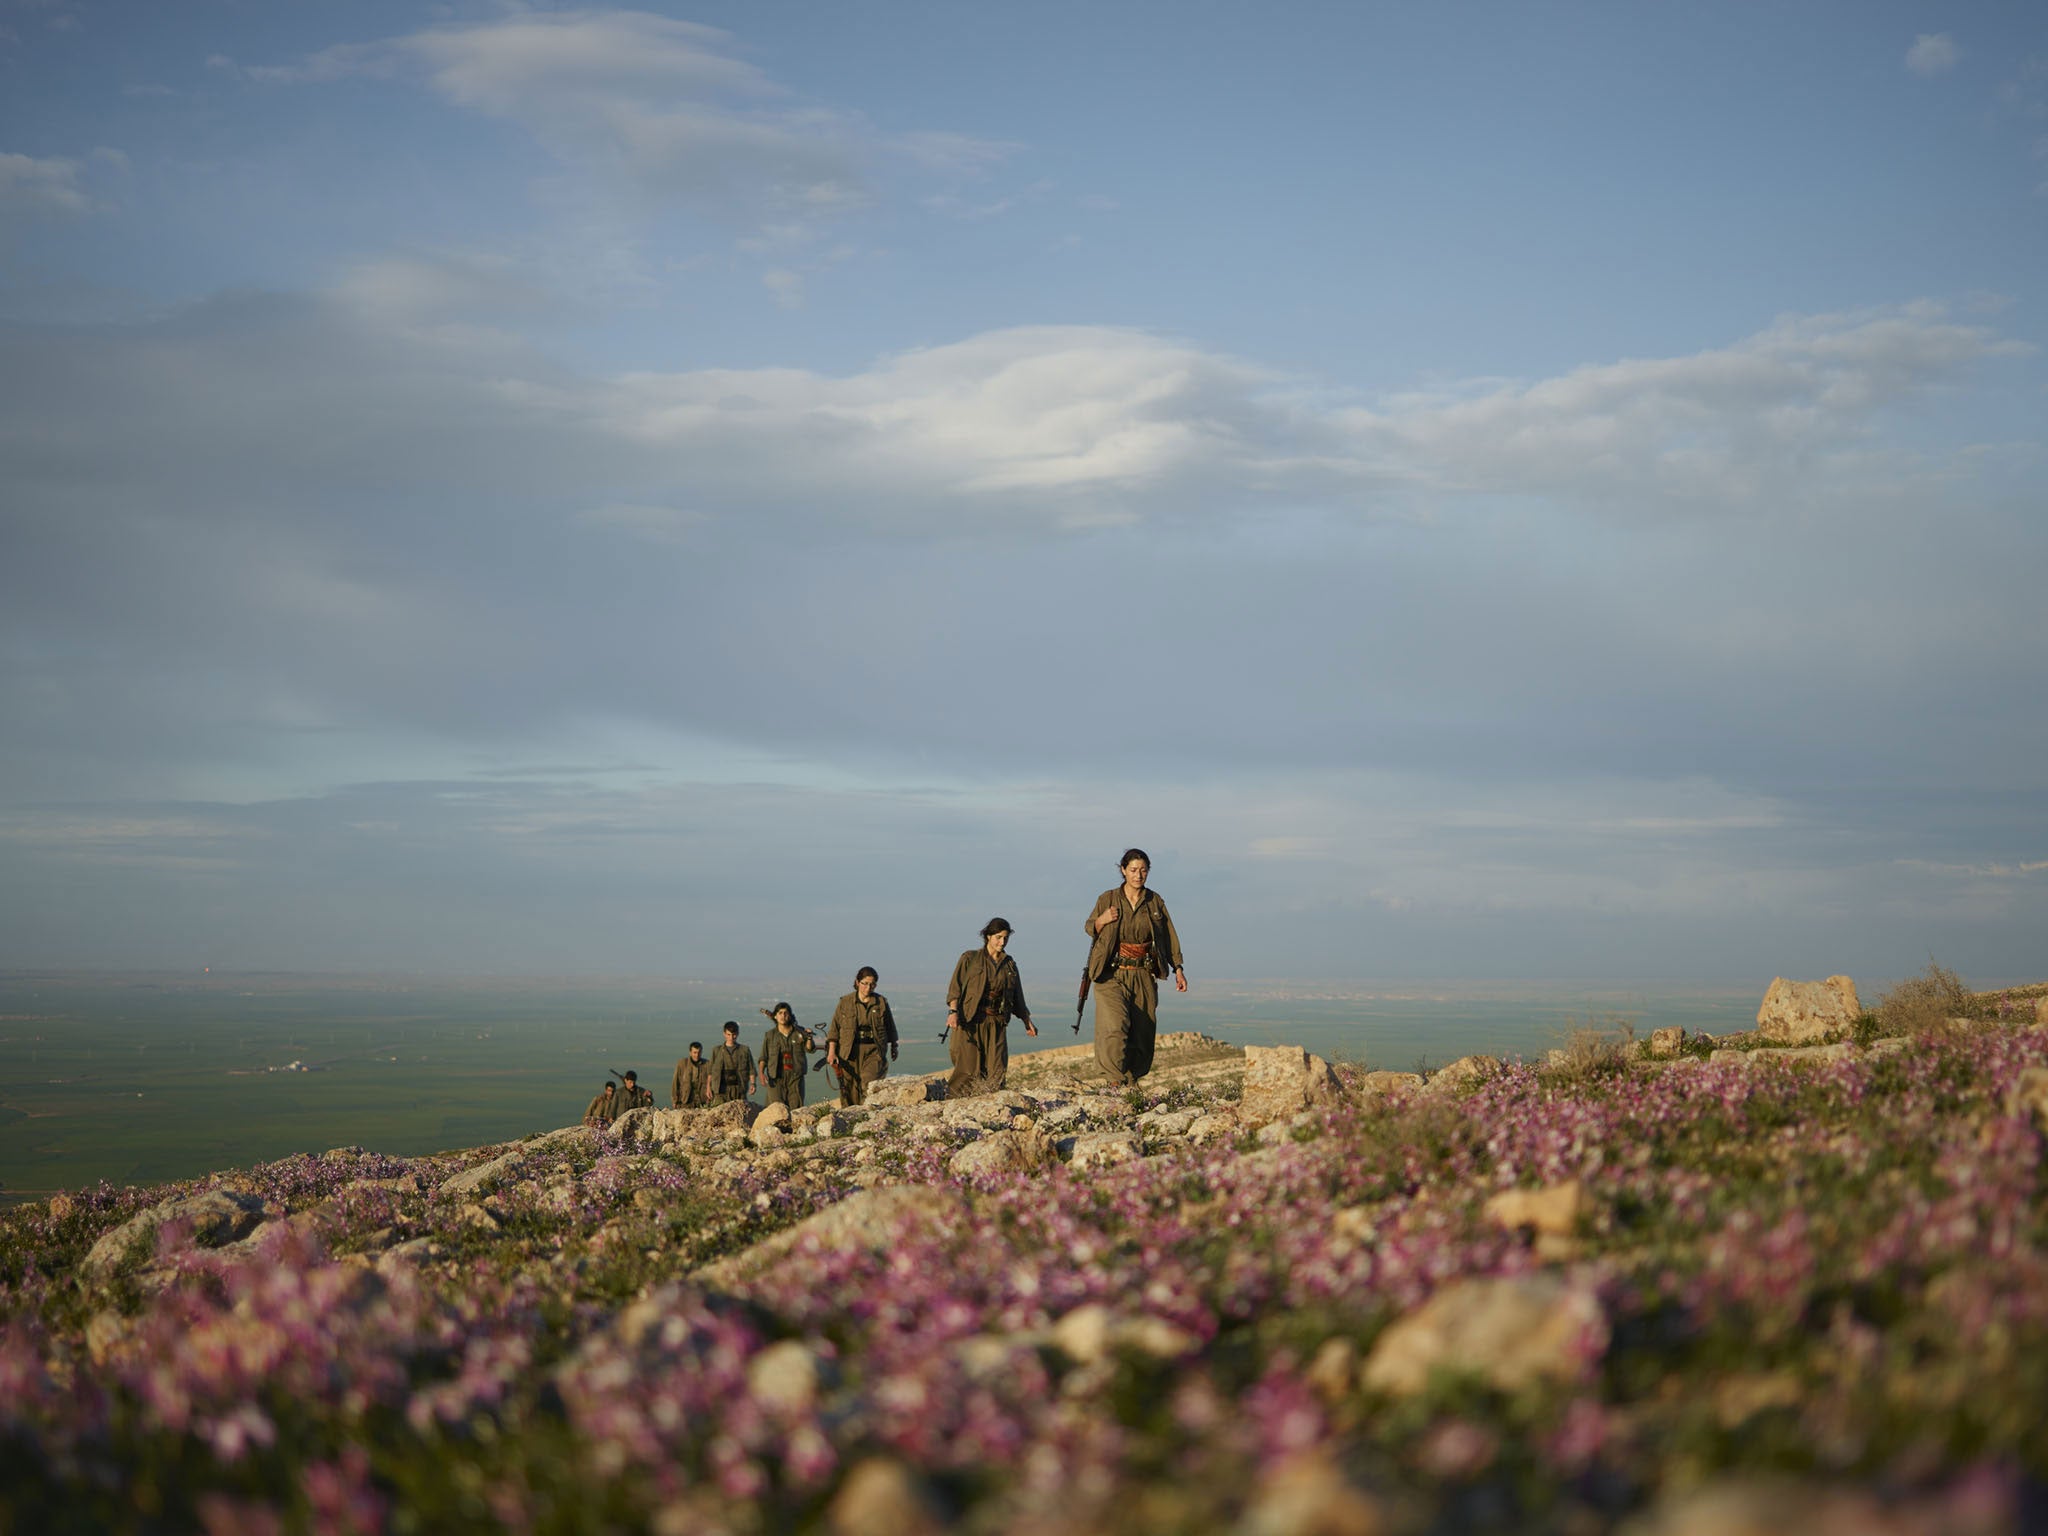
x: 663, y: 105
x: 30, y: 185
x: 1933, y: 53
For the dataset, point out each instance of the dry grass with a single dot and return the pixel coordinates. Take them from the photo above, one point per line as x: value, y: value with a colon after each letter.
x: 1599, y: 1045
x: 1923, y: 1004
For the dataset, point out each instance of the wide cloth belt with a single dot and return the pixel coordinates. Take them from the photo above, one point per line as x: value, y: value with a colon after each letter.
x: 1134, y: 954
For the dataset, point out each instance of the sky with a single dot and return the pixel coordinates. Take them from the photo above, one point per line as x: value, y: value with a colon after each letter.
x: 1483, y: 491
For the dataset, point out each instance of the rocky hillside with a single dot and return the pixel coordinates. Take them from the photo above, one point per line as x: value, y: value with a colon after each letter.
x: 1698, y: 1291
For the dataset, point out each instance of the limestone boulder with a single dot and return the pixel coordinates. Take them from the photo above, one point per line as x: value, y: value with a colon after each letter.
x: 771, y: 1127
x: 1018, y: 1151
x: 992, y: 1111
x: 1101, y: 1149
x: 905, y: 1090
x: 2041, y: 1010
x: 1212, y: 1127
x: 1381, y: 1084
x: 1510, y: 1331
x: 1807, y: 1012
x: 872, y: 1220
x: 1280, y: 1081
x: 1668, y: 1041
x: 473, y: 1179
x: 213, y: 1218
x: 1462, y: 1073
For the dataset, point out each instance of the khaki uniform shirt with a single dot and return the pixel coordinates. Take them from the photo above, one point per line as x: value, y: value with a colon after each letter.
x: 853, y: 1019
x: 1149, y: 923
x: 603, y: 1109
x: 982, y: 987
x: 691, y: 1086
x: 782, y: 1056
x: 732, y: 1066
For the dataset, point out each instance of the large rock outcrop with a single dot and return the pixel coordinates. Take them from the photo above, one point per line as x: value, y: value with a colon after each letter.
x: 1806, y: 1012
x: 211, y: 1219
x: 1280, y: 1081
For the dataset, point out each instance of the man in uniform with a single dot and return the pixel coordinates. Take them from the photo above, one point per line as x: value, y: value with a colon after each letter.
x: 632, y: 1095
x: 984, y: 992
x: 784, y: 1052
x: 604, y: 1109
x: 691, y: 1086
x: 732, y: 1068
x: 862, y: 1026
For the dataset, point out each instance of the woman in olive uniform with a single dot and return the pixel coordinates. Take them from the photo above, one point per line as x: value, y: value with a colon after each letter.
x: 1134, y: 948
x: 984, y: 992
x: 862, y: 1029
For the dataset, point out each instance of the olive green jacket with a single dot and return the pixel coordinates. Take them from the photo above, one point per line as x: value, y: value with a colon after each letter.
x: 734, y: 1062
x: 691, y: 1086
x: 1150, y: 917
x: 798, y: 1041
x: 852, y: 1015
x: 604, y: 1109
x: 975, y: 983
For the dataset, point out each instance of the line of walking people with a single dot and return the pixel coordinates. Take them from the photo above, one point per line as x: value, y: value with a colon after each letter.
x: 1133, y: 946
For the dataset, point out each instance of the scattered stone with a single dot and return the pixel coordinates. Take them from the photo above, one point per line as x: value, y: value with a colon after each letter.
x: 992, y: 1111
x: 882, y: 1497
x: 1282, y: 1080
x: 1462, y: 1072
x: 1169, y: 1122
x: 1307, y: 1496
x: 1333, y: 1373
x: 2028, y: 1098
x: 1389, y: 1082
x: 786, y: 1377
x: 1889, y: 1045
x: 61, y: 1206
x: 476, y: 1178
x: 907, y: 1090
x: 771, y: 1126
x: 104, y: 1333
x: 2041, y: 1010
x: 1803, y: 1012
x: 1668, y: 1041
x: 1002, y: 1152
x: 1212, y: 1127
x: 214, y: 1218
x: 1552, y: 1212
x: 1511, y: 1331
x: 873, y: 1219
x: 1091, y: 1333
x: 1101, y: 1149
x: 420, y: 1250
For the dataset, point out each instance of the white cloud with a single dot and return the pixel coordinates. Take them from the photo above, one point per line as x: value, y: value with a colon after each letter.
x: 663, y: 104
x: 1795, y: 404
x: 29, y: 186
x: 1933, y: 53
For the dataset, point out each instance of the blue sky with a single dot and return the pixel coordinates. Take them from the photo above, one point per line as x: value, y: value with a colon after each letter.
x: 1534, y: 490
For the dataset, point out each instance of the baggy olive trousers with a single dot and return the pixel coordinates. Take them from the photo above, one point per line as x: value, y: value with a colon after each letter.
x: 1126, y: 1023
x: 857, y: 1073
x: 981, y: 1056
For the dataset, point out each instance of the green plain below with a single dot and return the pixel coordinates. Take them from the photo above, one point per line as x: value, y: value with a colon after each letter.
x: 145, y: 1078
